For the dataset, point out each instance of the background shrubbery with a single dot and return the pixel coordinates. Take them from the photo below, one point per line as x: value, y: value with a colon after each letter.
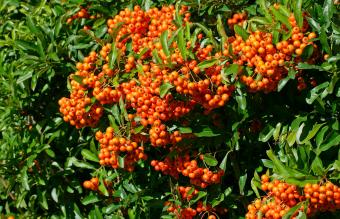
x: 292, y: 133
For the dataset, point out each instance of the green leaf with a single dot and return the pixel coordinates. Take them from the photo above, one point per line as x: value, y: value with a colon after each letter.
x: 164, y: 89
x: 218, y: 201
x: 164, y: 42
x: 102, y: 188
x: 291, y: 211
x: 280, y: 17
x: 24, y: 77
x: 200, y: 195
x: 210, y: 160
x: 276, y: 132
x: 298, y: 12
x: 320, y: 136
x: 312, y: 133
x: 307, y: 52
x: 223, y: 164
x: 78, y: 79
x: 185, y: 130
x: 54, y: 195
x: 315, y: 92
x: 241, y: 32
x: 328, y: 10
x: 82, y: 164
x: 317, y: 166
x: 87, y: 154
x: 335, y: 141
x: 206, y: 132
x: 220, y: 28
x: 90, y: 199
x: 113, y: 55
x: 156, y: 57
x: 324, y: 41
x: 242, y: 182
x: 283, y: 82
x: 207, y: 63
x: 266, y: 133
x: 181, y: 44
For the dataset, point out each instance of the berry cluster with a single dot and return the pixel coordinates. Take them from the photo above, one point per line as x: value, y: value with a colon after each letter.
x: 82, y: 14
x: 143, y: 27
x: 238, y: 18
x: 91, y: 184
x: 281, y: 197
x: 325, y: 197
x: 191, y: 212
x: 270, y: 61
x: 112, y: 146
x: 201, y: 177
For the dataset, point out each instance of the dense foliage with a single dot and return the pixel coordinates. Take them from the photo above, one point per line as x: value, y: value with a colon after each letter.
x: 168, y: 109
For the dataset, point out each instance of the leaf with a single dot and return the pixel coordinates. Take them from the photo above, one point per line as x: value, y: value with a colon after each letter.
x: 200, y: 195
x: 164, y: 42
x: 320, y: 136
x: 24, y: 77
x: 335, y: 141
x: 241, y: 101
x: 242, y: 183
x: 241, y: 32
x: 181, y: 44
x: 220, y: 28
x: 276, y: 132
x: 280, y: 17
x: 113, y: 55
x: 210, y: 160
x: 223, y: 164
x: 328, y: 11
x: 54, y: 195
x: 156, y: 57
x: 82, y: 164
x: 164, y: 89
x: 78, y: 79
x: 90, y: 199
x: 315, y: 92
x: 283, y: 82
x: 24, y: 45
x: 217, y: 201
x: 266, y: 133
x: 307, y: 52
x: 255, y: 183
x: 87, y: 154
x: 185, y: 130
x: 207, y: 63
x: 308, y: 66
x: 206, y: 132
x: 298, y: 12
x: 317, y: 166
x: 324, y: 42
x: 312, y: 133
x: 291, y: 211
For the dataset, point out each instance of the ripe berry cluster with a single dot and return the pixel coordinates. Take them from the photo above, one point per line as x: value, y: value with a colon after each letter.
x: 112, y: 146
x: 143, y: 27
x: 199, y: 209
x: 269, y: 61
x: 281, y: 197
x: 201, y: 177
x: 324, y: 197
x: 238, y: 18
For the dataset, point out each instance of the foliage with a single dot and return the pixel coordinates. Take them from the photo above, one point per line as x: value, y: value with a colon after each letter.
x: 294, y: 133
